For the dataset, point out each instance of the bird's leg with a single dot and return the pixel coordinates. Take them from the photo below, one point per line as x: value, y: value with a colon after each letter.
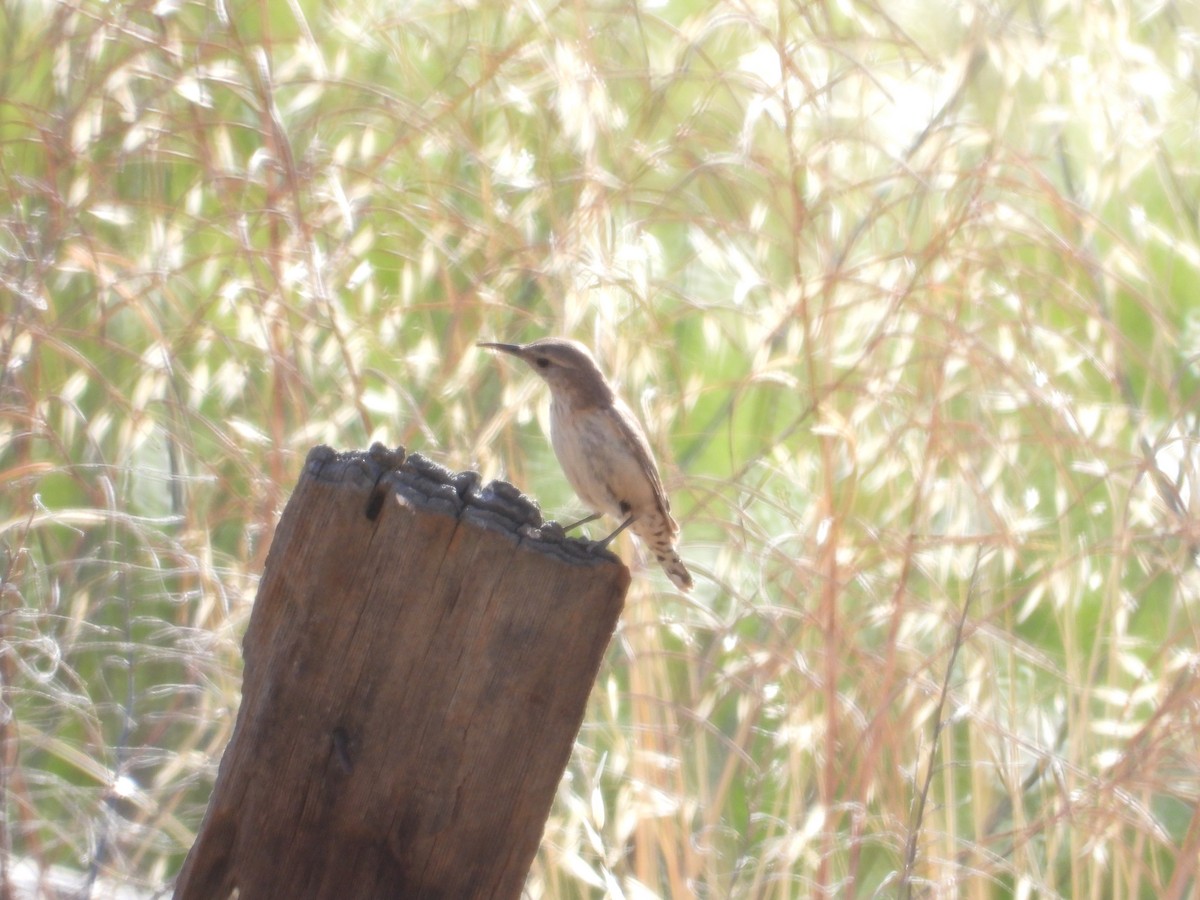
x: 608, y: 540
x: 593, y: 517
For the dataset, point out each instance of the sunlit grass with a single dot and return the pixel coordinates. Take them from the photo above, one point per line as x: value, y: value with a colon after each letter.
x: 905, y: 296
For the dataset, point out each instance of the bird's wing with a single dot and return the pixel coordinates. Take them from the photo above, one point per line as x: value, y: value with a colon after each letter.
x: 622, y: 418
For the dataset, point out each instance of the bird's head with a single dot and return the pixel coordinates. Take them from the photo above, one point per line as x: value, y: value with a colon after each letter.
x: 567, y: 366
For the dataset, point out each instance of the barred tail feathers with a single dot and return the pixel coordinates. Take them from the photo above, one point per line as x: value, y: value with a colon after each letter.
x: 675, y: 570
x: 658, y: 533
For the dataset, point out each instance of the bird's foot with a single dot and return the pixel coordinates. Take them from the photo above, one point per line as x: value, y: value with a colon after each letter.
x: 608, y: 540
x: 592, y: 518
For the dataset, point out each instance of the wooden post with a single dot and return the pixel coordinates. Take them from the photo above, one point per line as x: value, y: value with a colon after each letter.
x: 418, y: 662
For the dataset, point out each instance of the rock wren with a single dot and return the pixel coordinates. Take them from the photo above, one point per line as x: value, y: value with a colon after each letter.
x: 602, y: 448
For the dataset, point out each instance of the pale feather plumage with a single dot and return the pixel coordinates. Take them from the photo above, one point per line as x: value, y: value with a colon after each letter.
x: 602, y: 448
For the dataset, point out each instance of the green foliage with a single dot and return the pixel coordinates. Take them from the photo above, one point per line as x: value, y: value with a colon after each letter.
x: 906, y: 298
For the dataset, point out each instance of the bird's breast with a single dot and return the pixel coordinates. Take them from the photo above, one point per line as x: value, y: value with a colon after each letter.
x: 591, y: 454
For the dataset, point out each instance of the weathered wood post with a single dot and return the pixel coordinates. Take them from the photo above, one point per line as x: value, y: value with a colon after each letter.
x: 417, y: 666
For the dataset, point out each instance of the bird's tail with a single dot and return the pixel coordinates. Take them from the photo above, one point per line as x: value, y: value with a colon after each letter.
x: 659, y: 534
x: 668, y: 558
x: 675, y: 568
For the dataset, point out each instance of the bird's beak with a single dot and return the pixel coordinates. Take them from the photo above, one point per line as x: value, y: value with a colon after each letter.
x: 514, y: 349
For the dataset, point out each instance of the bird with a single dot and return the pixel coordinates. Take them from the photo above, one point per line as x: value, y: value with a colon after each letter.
x: 602, y: 448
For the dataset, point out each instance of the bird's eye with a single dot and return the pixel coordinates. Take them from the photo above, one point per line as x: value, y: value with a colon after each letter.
x: 542, y: 362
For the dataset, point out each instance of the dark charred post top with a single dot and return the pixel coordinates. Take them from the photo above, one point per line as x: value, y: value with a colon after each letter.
x: 417, y: 666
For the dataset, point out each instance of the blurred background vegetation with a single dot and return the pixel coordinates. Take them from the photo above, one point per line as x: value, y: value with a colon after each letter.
x: 908, y: 295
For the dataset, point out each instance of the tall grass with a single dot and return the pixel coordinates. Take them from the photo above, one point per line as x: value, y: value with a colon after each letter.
x: 906, y: 295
